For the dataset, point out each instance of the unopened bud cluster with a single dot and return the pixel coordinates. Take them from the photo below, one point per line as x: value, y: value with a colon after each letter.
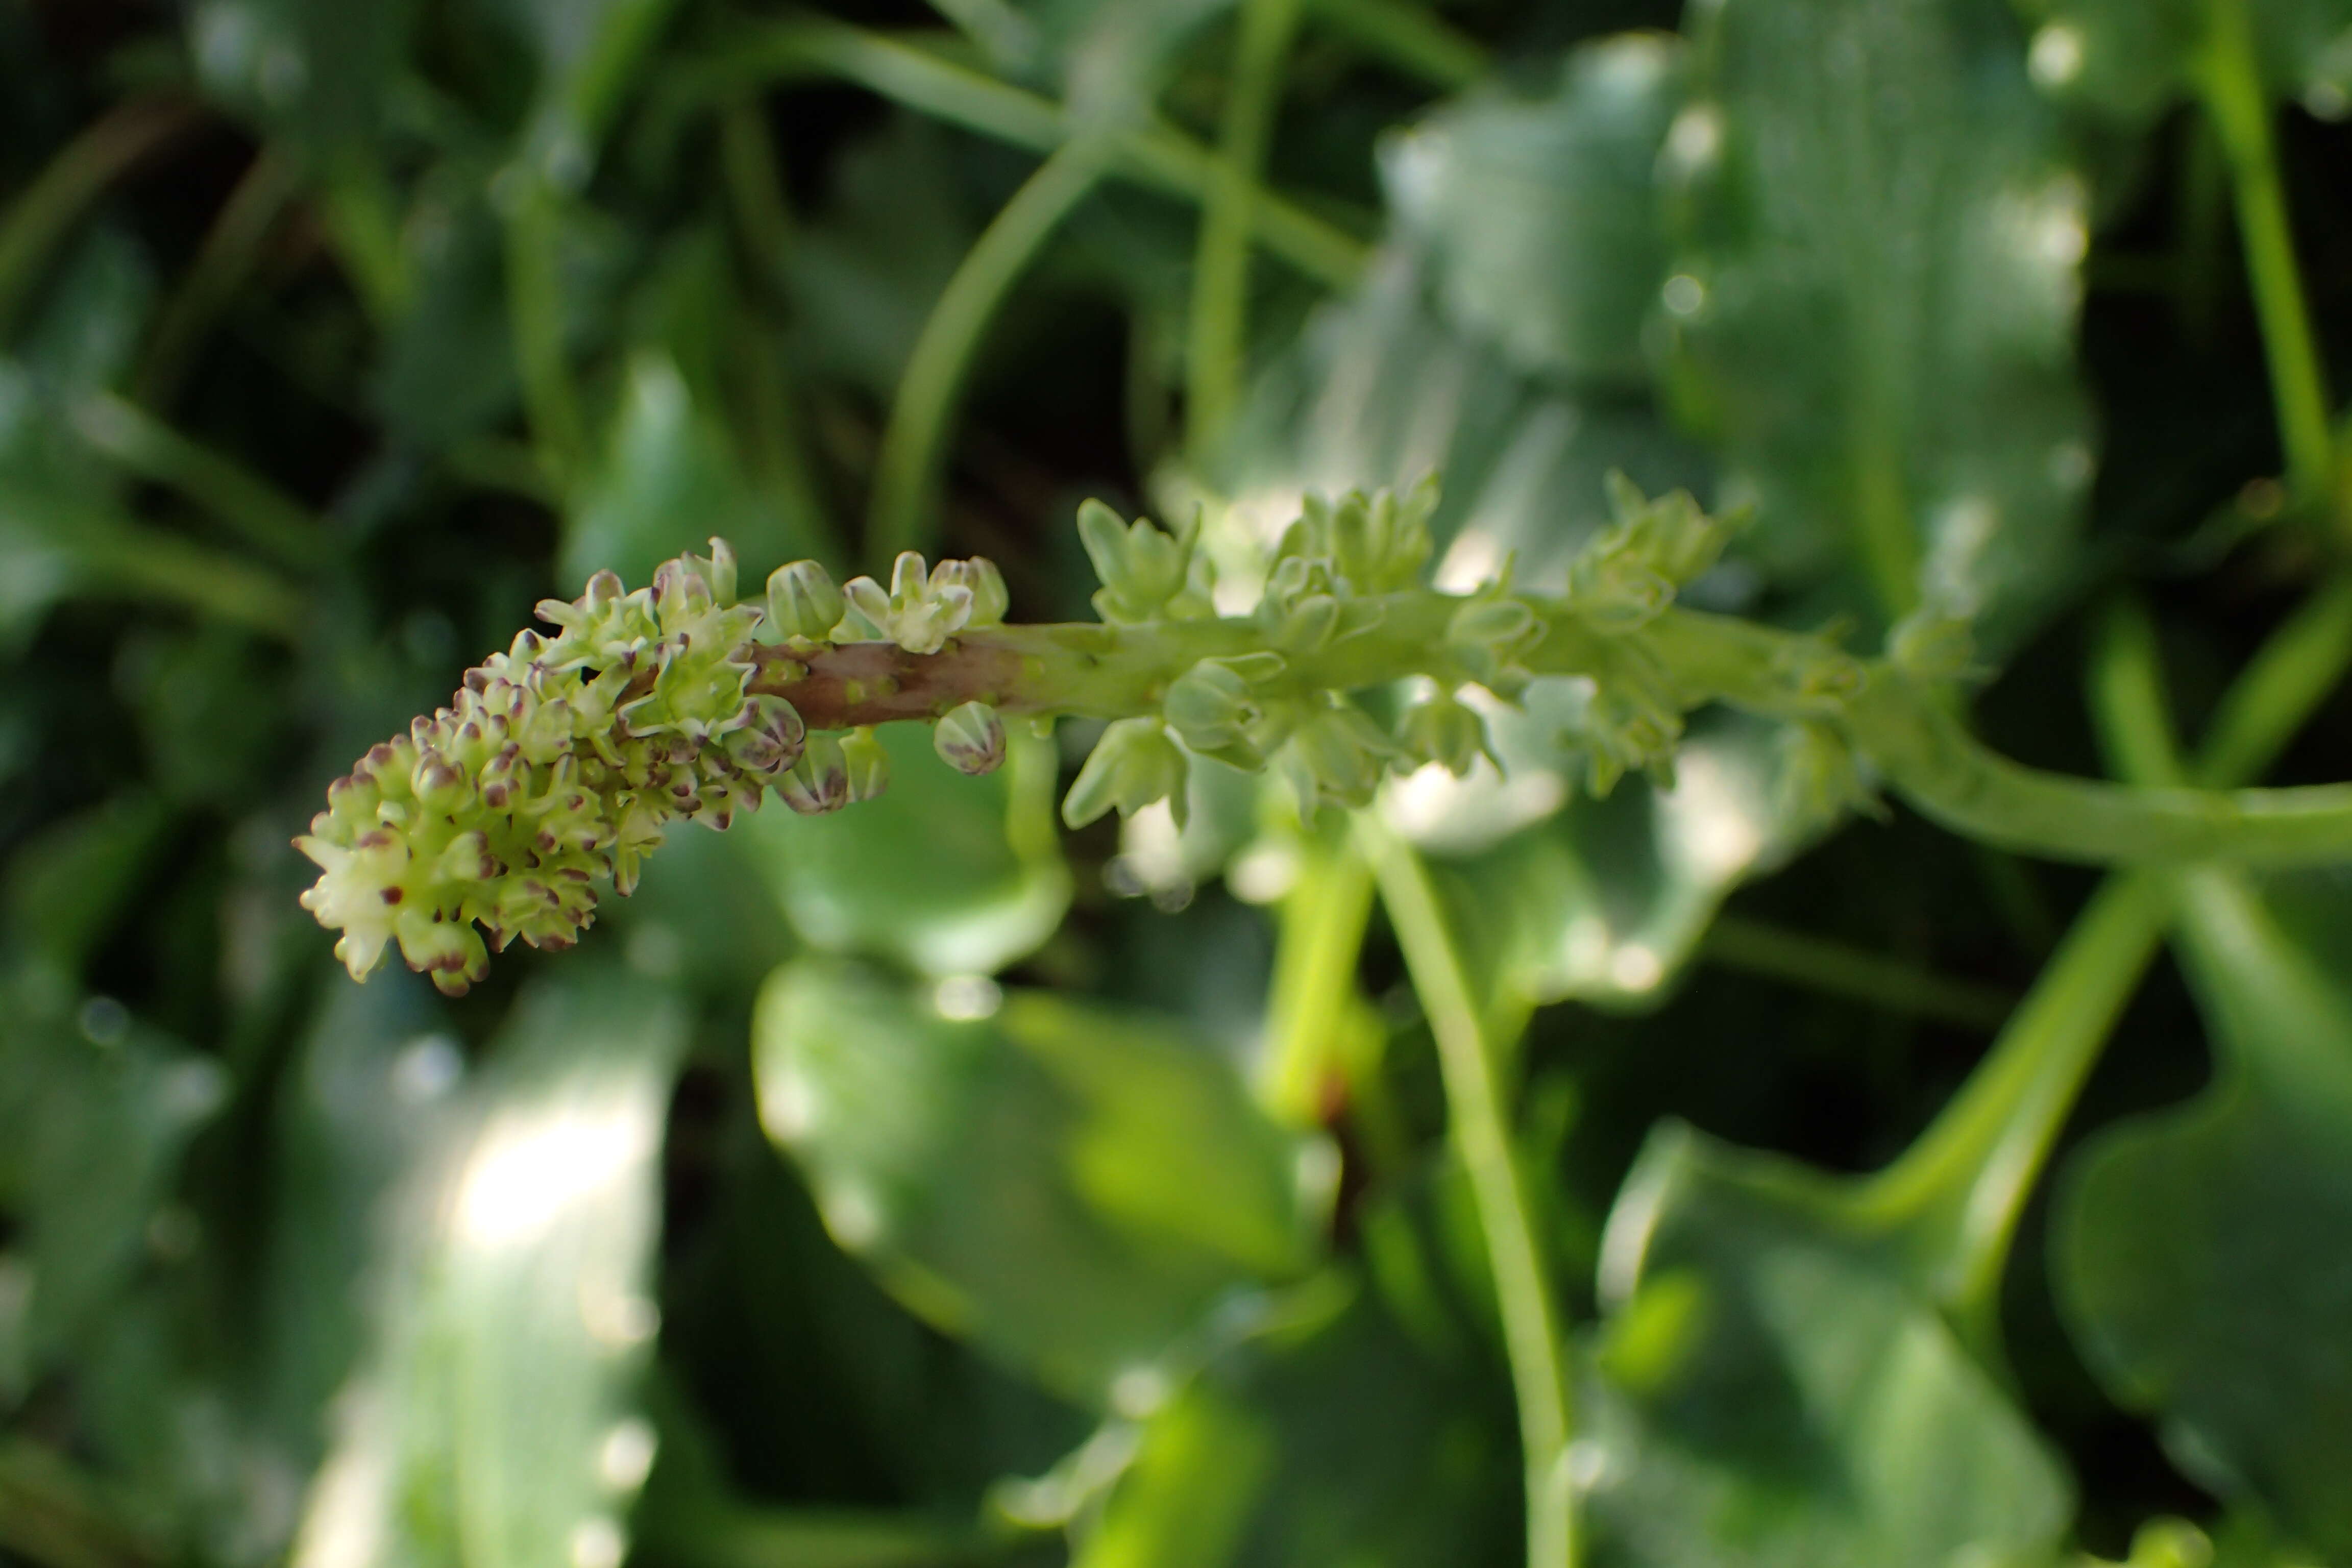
x: 562, y: 761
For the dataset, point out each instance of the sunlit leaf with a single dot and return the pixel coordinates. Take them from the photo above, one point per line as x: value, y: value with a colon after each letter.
x: 1877, y: 238
x: 947, y: 874
x: 1540, y: 213
x: 1775, y: 1392
x: 2198, y: 1249
x: 1077, y: 1190
x: 494, y: 1424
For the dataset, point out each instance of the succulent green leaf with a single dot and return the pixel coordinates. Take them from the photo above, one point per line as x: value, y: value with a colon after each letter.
x: 2129, y: 60
x: 949, y: 875
x: 2193, y: 1247
x: 1075, y: 1190
x: 1775, y: 1392
x: 1540, y: 211
x: 496, y: 1421
x: 1877, y: 237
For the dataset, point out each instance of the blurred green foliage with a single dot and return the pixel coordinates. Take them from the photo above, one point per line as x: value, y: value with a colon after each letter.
x: 925, y: 1185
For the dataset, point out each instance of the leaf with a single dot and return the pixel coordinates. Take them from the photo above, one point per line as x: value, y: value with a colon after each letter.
x: 320, y: 70
x: 1775, y: 1392
x: 1605, y: 900
x: 495, y: 1424
x: 1334, y: 1439
x: 95, y: 1112
x: 2196, y: 1250
x: 1073, y: 1189
x: 669, y: 481
x: 1380, y: 390
x: 1540, y: 213
x: 589, y: 53
x: 2130, y: 60
x: 66, y: 887
x: 1877, y: 242
x: 945, y: 874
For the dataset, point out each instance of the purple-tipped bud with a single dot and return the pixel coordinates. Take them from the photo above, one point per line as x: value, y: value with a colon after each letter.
x: 971, y: 739
x: 819, y: 782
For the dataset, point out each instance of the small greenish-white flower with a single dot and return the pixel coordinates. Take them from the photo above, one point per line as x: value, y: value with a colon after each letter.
x: 979, y: 578
x: 1379, y: 543
x: 1491, y: 635
x: 1821, y: 779
x: 1134, y: 765
x: 1634, y: 722
x: 920, y: 611
x: 971, y: 739
x: 1213, y: 710
x: 804, y: 602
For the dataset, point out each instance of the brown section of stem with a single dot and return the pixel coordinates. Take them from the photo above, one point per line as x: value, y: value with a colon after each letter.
x: 852, y: 684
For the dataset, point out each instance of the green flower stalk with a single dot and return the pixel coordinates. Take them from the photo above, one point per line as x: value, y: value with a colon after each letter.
x: 563, y: 760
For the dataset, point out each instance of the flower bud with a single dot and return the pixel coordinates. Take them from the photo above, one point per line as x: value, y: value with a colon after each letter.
x: 1210, y: 707
x: 971, y: 739
x: 865, y: 764
x: 1132, y: 765
x: 1338, y: 755
x: 802, y: 601
x: 1440, y: 729
x: 1141, y: 568
x: 819, y: 782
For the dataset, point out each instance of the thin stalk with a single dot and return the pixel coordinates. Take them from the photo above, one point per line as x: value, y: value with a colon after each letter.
x: 903, y: 514
x: 1217, y: 344
x: 363, y: 218
x: 264, y: 515
x: 1321, y: 938
x: 559, y: 425
x: 2229, y: 79
x: 1533, y: 1329
x: 41, y: 217
x: 142, y: 563
x: 1817, y: 964
x: 1408, y: 37
x: 223, y: 262
x: 1156, y: 154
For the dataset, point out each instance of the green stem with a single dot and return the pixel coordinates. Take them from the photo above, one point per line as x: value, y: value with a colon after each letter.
x: 362, y: 217
x: 38, y: 220
x: 1817, y: 964
x: 903, y: 514
x: 559, y: 425
x: 222, y: 263
x: 1533, y: 1329
x: 2229, y: 79
x: 1218, y: 342
x: 1156, y: 154
x: 1408, y: 37
x: 1322, y: 926
x: 1960, y: 1189
x: 267, y: 518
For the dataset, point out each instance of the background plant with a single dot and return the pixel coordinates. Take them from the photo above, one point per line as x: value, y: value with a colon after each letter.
x: 1681, y: 1173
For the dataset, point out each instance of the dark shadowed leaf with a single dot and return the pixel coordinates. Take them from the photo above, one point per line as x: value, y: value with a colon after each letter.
x: 945, y: 874
x: 1332, y: 1438
x: 2132, y: 59
x: 1079, y: 1191
x: 2200, y: 1251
